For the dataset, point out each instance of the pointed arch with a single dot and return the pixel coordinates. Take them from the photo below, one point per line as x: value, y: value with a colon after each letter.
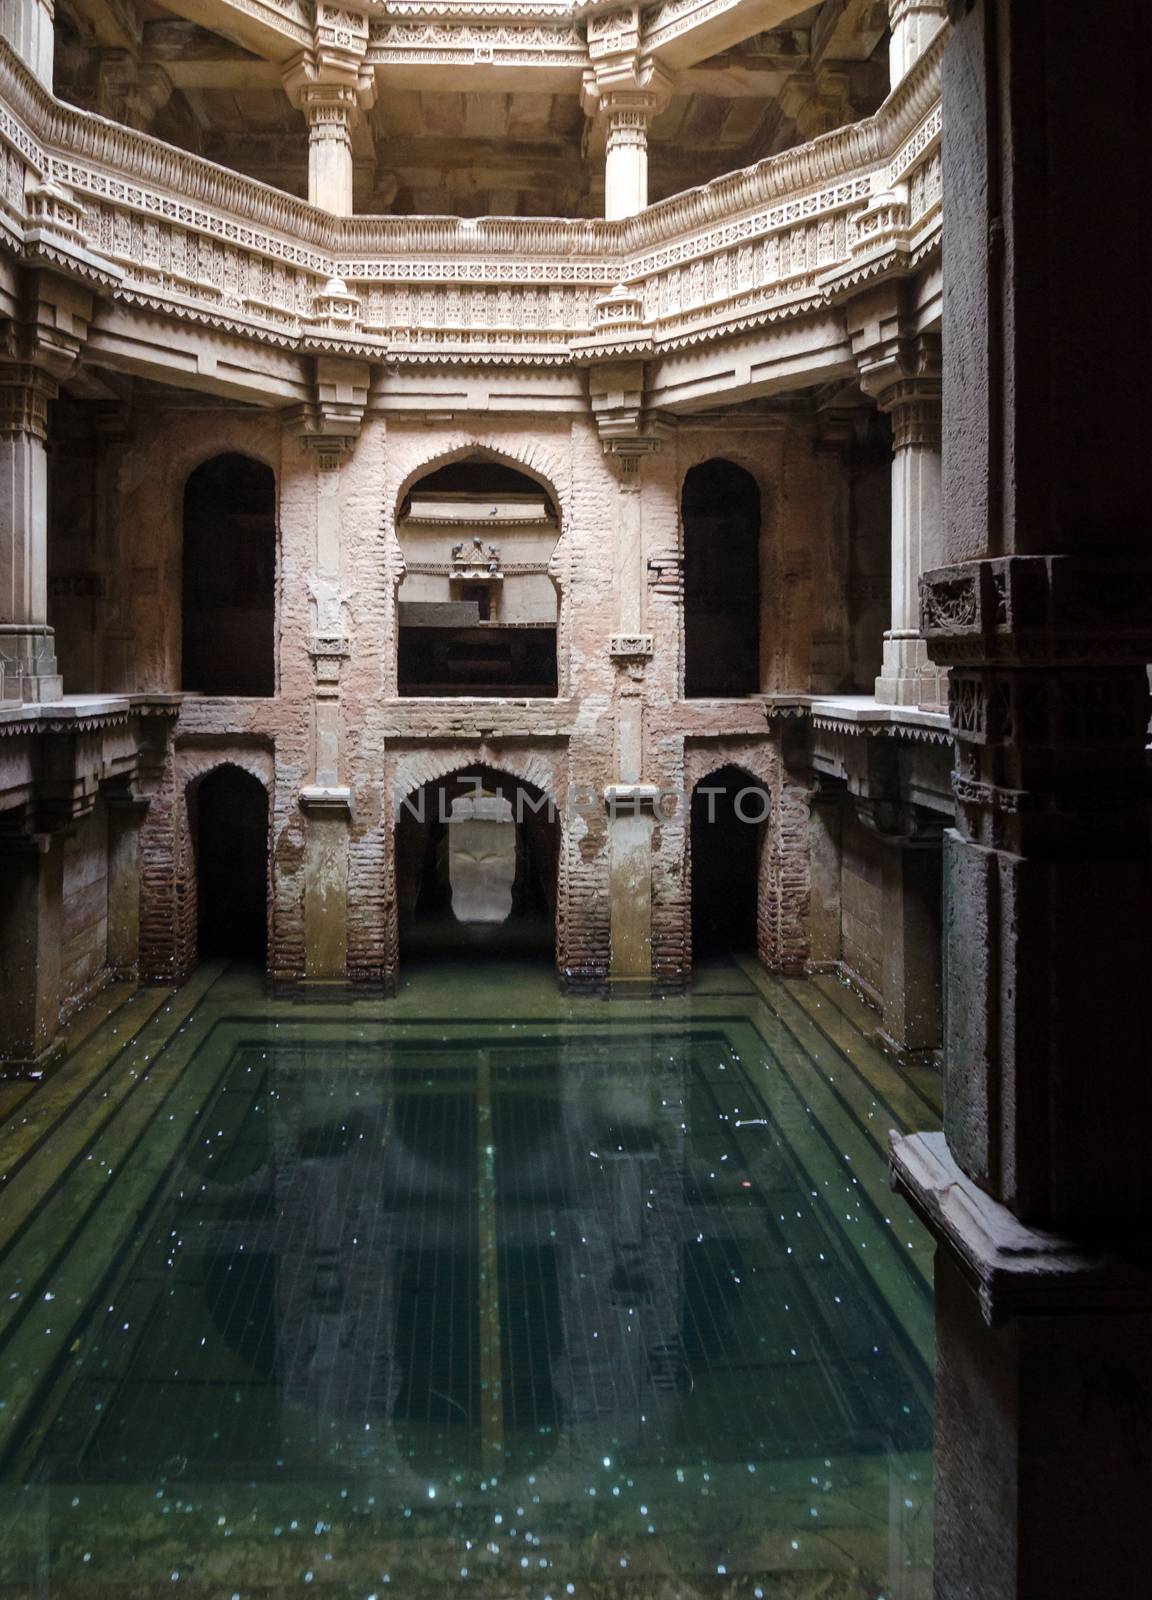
x: 521, y: 859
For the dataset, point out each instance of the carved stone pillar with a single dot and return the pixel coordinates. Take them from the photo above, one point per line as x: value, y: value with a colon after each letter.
x: 330, y: 112
x: 32, y: 25
x: 914, y: 24
x: 126, y: 813
x: 911, y: 890
x: 27, y: 646
x: 907, y: 677
x: 1049, y: 872
x: 1040, y: 1191
x: 329, y: 427
x: 622, y: 92
x: 631, y: 801
x: 628, y: 114
x: 332, y: 87
x: 31, y: 898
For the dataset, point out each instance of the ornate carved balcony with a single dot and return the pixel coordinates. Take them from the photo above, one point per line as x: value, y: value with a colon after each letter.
x: 182, y: 241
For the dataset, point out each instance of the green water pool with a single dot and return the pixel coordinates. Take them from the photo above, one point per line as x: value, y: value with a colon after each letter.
x: 478, y: 1288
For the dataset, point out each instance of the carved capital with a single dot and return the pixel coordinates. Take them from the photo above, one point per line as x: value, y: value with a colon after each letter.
x: 25, y: 391
x: 624, y: 96
x: 904, y: 377
x: 331, y: 87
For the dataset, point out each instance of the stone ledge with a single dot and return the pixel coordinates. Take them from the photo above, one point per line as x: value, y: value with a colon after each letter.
x: 326, y: 800
x: 1015, y: 1270
x: 631, y: 799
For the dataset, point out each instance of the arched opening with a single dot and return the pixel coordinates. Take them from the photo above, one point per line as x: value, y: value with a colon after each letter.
x: 230, y: 833
x: 477, y: 855
x: 729, y: 808
x: 229, y: 584
x: 477, y: 608
x: 720, y: 513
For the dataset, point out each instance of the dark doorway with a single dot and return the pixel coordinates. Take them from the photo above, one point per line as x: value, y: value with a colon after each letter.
x: 728, y: 811
x: 229, y: 587
x: 433, y: 921
x: 231, y: 821
x: 720, y: 510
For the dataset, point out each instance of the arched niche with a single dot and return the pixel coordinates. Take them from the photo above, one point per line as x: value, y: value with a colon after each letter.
x: 477, y: 862
x: 228, y: 811
x: 477, y: 609
x: 729, y: 811
x: 720, y: 515
x: 229, y: 578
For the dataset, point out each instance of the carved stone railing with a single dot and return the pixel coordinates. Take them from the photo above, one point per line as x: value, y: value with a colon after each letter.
x: 164, y: 230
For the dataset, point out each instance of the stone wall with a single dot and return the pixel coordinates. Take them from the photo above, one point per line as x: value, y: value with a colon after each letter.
x: 335, y: 719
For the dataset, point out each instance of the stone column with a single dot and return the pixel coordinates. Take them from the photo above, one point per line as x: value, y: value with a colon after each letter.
x: 327, y: 801
x: 907, y: 677
x: 912, y: 889
x: 914, y: 24
x: 31, y: 898
x: 628, y: 115
x: 27, y: 647
x: 1040, y: 1190
x: 32, y: 36
x: 126, y: 812
x: 330, y: 111
x: 825, y: 828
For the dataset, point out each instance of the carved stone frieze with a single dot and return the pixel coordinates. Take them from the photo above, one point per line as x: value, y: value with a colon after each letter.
x: 178, y: 236
x: 630, y: 646
x: 1042, y: 609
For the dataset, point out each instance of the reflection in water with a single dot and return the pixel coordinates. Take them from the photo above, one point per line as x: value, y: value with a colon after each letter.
x: 619, y: 1277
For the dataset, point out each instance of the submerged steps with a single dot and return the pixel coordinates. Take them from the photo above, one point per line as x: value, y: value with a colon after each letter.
x: 67, y: 1210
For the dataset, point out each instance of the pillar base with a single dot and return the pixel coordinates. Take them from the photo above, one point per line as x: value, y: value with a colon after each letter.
x: 924, y: 1056
x: 907, y: 677
x: 32, y: 1067
x: 28, y: 672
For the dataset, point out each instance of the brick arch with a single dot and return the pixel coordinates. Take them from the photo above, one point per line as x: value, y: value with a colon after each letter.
x: 168, y: 876
x: 420, y: 768
x: 531, y: 458
x: 411, y: 771
x: 759, y: 763
x: 700, y: 452
x: 255, y: 764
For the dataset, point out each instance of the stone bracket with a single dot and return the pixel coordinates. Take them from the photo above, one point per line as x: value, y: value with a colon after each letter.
x: 632, y: 799
x: 1015, y: 1270
x: 326, y: 800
